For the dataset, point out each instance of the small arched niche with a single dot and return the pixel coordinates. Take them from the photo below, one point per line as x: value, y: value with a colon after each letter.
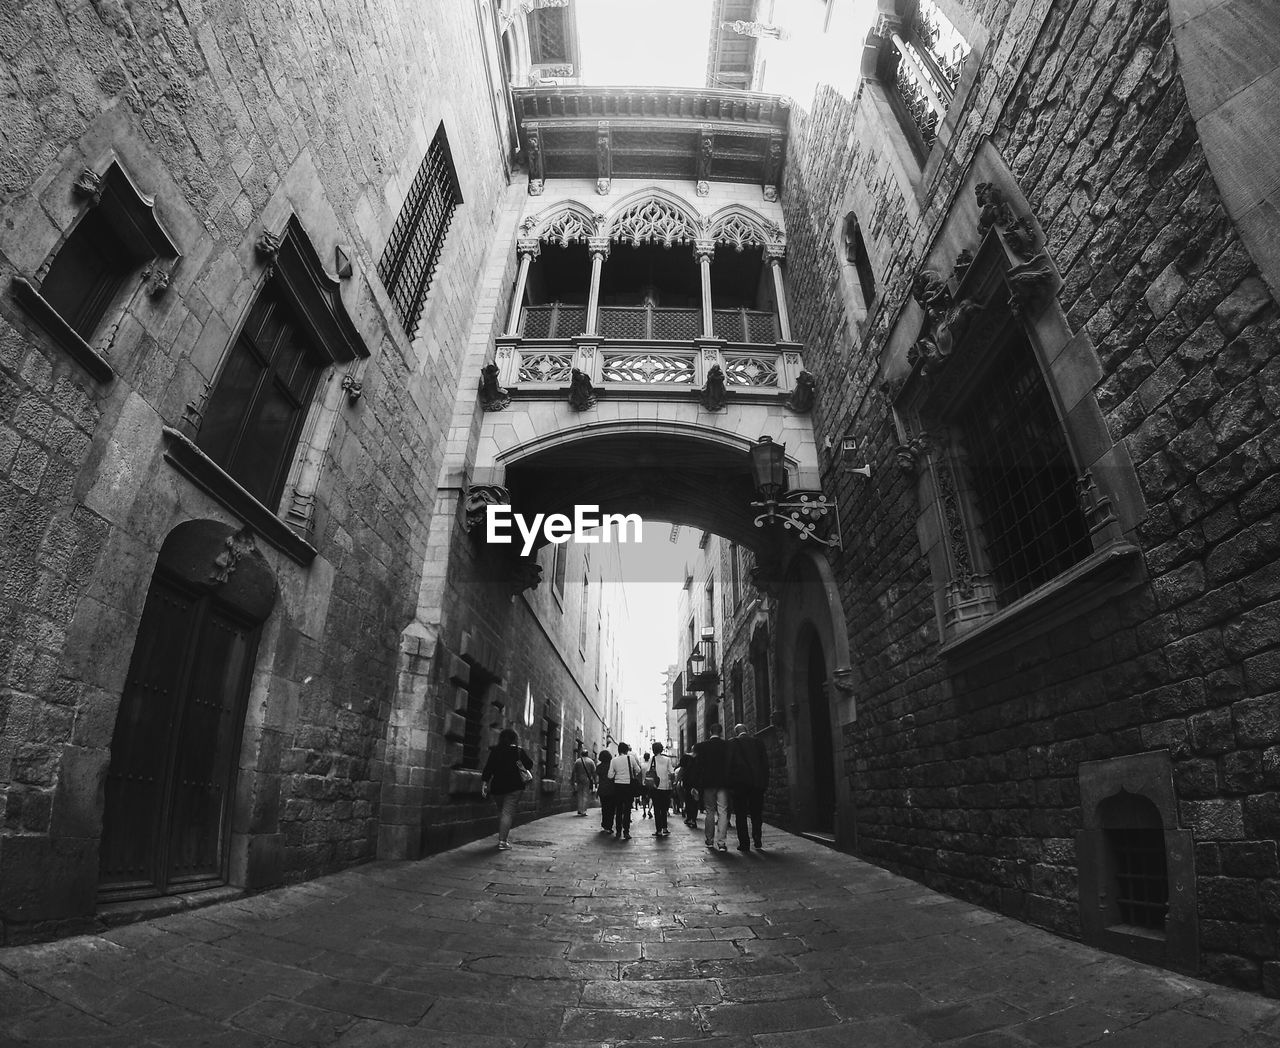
x: 1137, y: 875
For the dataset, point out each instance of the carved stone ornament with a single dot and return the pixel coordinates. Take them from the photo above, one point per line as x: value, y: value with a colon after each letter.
x: 945, y: 325
x: 535, y: 187
x: 158, y: 278
x: 237, y: 545
x: 994, y: 212
x: 493, y: 397
x: 1029, y: 285
x: 910, y: 456
x: 526, y: 574
x: 713, y: 394
x: 268, y: 246
x: 88, y: 185
x: 582, y: 394
x: 1095, y: 506
x: 844, y: 678
x: 477, y: 500
x: 803, y: 396
x: 703, y: 188
x: 963, y: 261
x: 353, y: 388
x: 603, y: 185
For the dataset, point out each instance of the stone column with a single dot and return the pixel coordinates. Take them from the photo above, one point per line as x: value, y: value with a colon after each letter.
x: 528, y: 248
x: 773, y: 255
x: 599, y: 248
x: 704, y: 251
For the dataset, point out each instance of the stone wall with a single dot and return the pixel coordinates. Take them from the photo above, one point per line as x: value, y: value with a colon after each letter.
x: 233, y: 116
x: 967, y: 778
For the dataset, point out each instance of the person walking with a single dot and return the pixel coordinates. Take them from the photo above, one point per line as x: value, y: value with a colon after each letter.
x: 748, y: 778
x: 607, y: 793
x: 507, y: 772
x: 583, y: 779
x: 644, y: 794
x: 658, y: 780
x: 713, y: 784
x: 690, y: 799
x: 625, y: 773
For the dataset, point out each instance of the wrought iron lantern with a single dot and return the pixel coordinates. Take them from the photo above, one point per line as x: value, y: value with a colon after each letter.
x: 801, y: 511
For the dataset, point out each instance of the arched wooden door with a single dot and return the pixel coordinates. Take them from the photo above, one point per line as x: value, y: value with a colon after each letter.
x: 171, y: 779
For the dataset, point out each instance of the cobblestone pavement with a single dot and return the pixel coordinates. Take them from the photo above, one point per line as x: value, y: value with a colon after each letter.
x: 573, y: 938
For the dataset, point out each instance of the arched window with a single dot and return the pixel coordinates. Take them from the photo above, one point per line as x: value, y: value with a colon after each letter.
x: 855, y: 254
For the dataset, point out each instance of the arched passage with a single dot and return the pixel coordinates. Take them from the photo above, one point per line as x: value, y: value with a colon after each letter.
x: 686, y: 477
x: 815, y: 697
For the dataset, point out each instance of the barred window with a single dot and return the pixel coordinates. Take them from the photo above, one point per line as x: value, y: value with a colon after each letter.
x: 548, y: 38
x: 411, y: 255
x: 924, y: 60
x: 1023, y: 476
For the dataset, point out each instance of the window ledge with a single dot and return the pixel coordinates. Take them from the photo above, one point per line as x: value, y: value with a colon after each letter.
x: 550, y: 785
x: 196, y: 466
x: 1099, y: 576
x: 63, y: 333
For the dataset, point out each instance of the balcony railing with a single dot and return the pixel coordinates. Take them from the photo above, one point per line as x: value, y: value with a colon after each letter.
x: 556, y: 320
x: 752, y: 326
x: 650, y: 322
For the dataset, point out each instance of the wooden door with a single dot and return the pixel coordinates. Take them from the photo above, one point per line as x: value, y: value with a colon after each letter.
x: 173, y: 755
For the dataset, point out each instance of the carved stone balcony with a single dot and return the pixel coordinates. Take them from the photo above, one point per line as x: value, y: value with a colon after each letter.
x: 648, y: 368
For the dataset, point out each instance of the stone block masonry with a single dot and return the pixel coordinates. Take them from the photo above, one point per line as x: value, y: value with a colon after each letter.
x: 233, y: 117
x: 966, y: 776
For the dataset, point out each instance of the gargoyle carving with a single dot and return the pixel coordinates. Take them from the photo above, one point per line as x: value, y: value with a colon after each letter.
x: 713, y: 394
x: 477, y: 500
x: 526, y: 574
x: 993, y: 209
x: 946, y: 321
x: 963, y: 261
x: 1029, y: 285
x: 493, y: 397
x: 994, y: 212
x: 582, y: 393
x: 236, y: 546
x: 802, y: 397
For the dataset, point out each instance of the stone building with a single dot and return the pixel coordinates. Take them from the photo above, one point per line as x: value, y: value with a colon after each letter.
x: 1032, y: 261
x: 246, y: 252
x: 277, y: 330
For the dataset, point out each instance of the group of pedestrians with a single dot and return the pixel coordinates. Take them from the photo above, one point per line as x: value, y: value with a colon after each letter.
x: 720, y: 777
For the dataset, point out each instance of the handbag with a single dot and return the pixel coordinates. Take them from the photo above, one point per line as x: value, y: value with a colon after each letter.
x: 526, y: 776
x: 651, y: 774
x: 636, y: 775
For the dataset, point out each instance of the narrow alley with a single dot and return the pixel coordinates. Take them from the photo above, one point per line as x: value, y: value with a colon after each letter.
x: 573, y: 938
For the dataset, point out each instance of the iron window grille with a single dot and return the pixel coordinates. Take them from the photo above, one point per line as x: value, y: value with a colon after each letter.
x: 548, y: 39
x: 1141, y: 876
x: 1023, y: 476
x: 412, y: 254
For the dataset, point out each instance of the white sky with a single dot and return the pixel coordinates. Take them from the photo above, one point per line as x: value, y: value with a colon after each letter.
x: 650, y: 42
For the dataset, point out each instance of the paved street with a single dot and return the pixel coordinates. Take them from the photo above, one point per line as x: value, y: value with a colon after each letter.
x: 575, y: 939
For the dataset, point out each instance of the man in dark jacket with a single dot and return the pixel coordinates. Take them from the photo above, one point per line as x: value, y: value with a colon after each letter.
x: 713, y: 783
x: 749, y: 778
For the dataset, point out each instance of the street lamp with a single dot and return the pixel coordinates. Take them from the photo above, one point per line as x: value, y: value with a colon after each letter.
x: 802, y: 510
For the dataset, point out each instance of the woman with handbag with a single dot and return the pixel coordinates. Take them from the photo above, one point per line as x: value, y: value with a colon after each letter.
x: 507, y: 771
